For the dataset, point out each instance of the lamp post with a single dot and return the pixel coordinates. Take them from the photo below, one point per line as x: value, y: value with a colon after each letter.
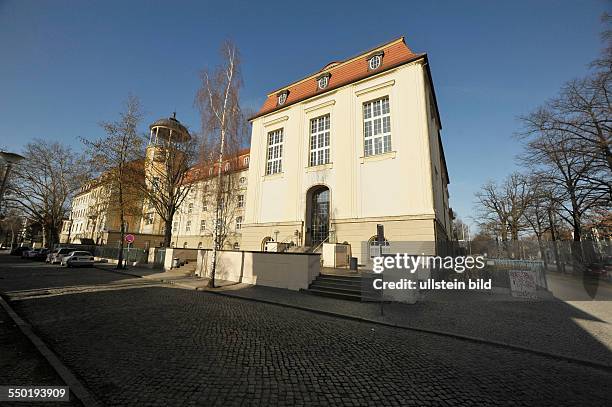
x: 10, y: 159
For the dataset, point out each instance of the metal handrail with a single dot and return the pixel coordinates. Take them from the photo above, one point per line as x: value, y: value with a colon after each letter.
x: 320, y: 244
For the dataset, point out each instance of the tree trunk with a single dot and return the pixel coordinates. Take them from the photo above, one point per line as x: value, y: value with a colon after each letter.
x: 121, y: 238
x: 44, y: 235
x: 553, y: 238
x: 542, y: 252
x: 167, y: 232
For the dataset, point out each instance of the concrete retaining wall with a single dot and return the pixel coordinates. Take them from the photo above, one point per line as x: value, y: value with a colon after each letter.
x: 282, y: 270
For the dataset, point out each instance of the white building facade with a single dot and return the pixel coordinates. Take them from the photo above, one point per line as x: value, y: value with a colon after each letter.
x: 354, y: 145
x: 194, y: 222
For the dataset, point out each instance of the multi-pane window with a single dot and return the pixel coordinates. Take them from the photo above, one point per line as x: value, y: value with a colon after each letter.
x: 202, y: 225
x: 238, y: 222
x: 319, y: 140
x: 274, y: 163
x: 241, y: 201
x: 376, y: 127
x: 149, y: 218
x: 190, y: 208
x: 188, y: 226
x: 175, y: 226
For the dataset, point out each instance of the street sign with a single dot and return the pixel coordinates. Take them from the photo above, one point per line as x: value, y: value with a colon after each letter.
x: 129, y: 238
x: 523, y: 284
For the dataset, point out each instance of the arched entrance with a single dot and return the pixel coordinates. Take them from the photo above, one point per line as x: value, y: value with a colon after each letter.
x: 264, y: 241
x: 317, y: 215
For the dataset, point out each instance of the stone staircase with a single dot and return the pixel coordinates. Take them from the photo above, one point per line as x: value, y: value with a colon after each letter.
x: 344, y: 287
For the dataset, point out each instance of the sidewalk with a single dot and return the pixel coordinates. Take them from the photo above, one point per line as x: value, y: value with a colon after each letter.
x: 579, y: 330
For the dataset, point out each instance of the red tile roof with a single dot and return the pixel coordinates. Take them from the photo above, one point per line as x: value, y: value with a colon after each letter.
x: 342, y: 73
x: 202, y: 170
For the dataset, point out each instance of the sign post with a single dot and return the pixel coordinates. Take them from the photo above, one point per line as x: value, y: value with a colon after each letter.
x: 380, y: 239
x: 129, y: 238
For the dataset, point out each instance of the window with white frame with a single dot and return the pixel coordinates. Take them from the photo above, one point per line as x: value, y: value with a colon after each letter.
x: 238, y: 222
x: 188, y: 226
x: 319, y: 140
x: 202, y: 225
x: 190, y: 208
x: 241, y: 201
x: 274, y: 163
x: 376, y: 127
x: 246, y: 161
x: 242, y: 180
x: 175, y: 226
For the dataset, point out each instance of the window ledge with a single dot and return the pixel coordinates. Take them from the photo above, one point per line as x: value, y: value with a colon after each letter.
x: 320, y: 167
x: 378, y: 157
x: 270, y: 177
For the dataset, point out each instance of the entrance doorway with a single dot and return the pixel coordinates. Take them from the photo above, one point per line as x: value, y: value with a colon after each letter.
x: 317, y: 212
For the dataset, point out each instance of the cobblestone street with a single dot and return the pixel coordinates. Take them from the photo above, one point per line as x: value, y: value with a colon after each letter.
x: 136, y: 343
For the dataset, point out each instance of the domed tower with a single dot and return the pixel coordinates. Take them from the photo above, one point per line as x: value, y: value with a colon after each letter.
x: 161, y: 155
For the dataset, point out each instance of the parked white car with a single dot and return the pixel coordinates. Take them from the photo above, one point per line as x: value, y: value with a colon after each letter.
x: 78, y: 258
x: 56, y: 256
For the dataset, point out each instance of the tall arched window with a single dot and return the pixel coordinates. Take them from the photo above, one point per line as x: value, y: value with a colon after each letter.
x: 319, y: 215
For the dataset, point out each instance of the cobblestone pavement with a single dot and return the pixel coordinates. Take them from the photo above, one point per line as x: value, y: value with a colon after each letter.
x: 22, y: 365
x: 580, y: 330
x: 168, y: 346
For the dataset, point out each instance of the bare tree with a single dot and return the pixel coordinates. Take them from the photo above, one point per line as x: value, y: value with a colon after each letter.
x: 10, y: 223
x: 557, y: 158
x: 117, y: 157
x: 231, y: 191
x: 43, y: 184
x: 504, y: 205
x: 222, y: 125
x: 582, y: 114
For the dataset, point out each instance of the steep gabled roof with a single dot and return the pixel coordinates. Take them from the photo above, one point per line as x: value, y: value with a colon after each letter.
x: 350, y: 70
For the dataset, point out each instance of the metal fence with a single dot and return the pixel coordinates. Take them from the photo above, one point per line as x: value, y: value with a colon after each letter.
x: 503, y: 266
x: 130, y: 255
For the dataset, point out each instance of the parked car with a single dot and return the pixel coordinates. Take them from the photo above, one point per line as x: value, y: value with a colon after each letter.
x: 17, y: 251
x: 26, y: 253
x: 78, y: 258
x: 31, y: 254
x: 58, y: 254
x: 41, y: 255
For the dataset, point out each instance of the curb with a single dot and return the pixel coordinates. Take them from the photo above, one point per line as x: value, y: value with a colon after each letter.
x: 75, y: 386
x: 113, y: 270
x: 474, y: 339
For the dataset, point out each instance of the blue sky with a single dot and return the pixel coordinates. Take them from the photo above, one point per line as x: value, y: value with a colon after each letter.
x: 67, y: 65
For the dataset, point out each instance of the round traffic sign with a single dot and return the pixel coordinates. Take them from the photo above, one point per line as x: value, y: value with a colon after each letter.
x: 129, y: 238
